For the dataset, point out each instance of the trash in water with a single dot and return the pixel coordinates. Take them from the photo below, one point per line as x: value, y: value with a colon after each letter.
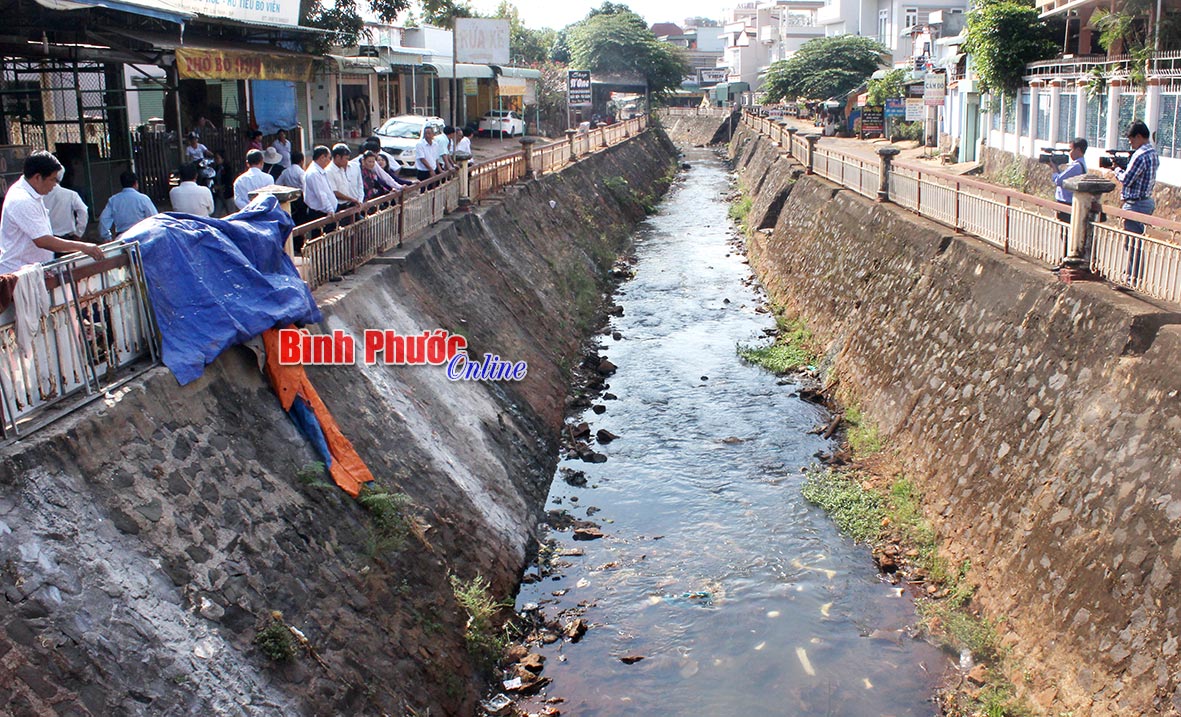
x: 773, y: 613
x: 867, y: 683
x: 966, y: 661
x: 760, y: 646
x: 513, y: 684
x: 803, y: 655
x: 825, y: 608
x: 498, y: 705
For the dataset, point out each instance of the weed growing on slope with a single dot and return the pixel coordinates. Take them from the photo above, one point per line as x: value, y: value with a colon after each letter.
x: 791, y: 351
x: 484, y: 641
x: 275, y: 640
x: 862, y: 435
x: 857, y: 511
x: 390, y: 519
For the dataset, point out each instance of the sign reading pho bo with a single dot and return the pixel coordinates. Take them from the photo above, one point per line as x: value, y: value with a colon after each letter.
x: 481, y: 41
x: 194, y: 64
x: 578, y: 87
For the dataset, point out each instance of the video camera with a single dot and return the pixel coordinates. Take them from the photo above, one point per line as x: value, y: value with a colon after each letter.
x: 1053, y: 156
x: 1118, y: 158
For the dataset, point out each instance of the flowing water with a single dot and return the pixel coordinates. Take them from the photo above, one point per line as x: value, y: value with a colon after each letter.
x: 741, y: 598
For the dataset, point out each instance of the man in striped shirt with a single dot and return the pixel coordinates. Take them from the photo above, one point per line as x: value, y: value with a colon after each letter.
x: 1137, y: 180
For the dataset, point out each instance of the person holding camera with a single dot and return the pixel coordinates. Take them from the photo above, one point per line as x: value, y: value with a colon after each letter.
x: 1137, y: 180
x: 1139, y: 176
x: 1076, y: 167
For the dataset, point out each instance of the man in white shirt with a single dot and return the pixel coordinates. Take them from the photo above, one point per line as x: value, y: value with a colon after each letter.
x: 282, y: 145
x: 293, y: 175
x: 253, y: 178
x: 67, y: 212
x: 194, y: 150
x: 26, y: 236
x: 345, y: 177
x: 426, y: 158
x: 443, y: 146
x: 465, y: 145
x: 317, y: 187
x: 190, y: 197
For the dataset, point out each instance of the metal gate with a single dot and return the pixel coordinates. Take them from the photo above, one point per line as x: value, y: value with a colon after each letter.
x: 78, y: 111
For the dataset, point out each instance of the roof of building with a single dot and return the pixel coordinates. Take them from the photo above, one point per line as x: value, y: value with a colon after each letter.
x: 661, y: 29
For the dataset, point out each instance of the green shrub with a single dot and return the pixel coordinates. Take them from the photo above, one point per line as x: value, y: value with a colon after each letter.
x: 790, y: 352
x: 484, y: 642
x: 856, y: 511
x: 739, y: 209
x: 275, y: 640
x: 388, y: 512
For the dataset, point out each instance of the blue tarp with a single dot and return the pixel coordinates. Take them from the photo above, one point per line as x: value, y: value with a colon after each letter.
x: 215, y: 283
x: 274, y: 104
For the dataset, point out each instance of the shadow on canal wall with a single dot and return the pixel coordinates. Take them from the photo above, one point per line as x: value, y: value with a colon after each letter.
x: 1042, y: 419
x: 146, y: 540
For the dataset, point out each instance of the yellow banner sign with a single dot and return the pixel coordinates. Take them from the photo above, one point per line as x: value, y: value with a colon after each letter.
x: 510, y: 86
x: 193, y: 64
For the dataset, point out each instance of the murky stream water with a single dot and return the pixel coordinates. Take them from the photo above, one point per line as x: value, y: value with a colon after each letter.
x: 741, y: 598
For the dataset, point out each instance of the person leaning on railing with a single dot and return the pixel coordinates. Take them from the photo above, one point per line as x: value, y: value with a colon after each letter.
x: 1075, y: 168
x: 26, y: 236
x: 317, y: 193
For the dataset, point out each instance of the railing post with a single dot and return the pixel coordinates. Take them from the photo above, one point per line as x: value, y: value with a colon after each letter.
x: 602, y: 135
x: 812, y: 140
x: 1076, y: 265
x: 285, y: 196
x: 465, y: 180
x: 527, y: 147
x: 570, y: 134
x: 887, y: 155
x: 791, y: 138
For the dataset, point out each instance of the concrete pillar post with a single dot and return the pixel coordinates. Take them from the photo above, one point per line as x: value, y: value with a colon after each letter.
x: 1110, y: 136
x: 1035, y: 89
x: 285, y: 196
x: 1152, y: 103
x: 791, y: 138
x: 465, y: 180
x: 887, y: 155
x: 527, y: 147
x: 603, y: 135
x: 1087, y: 192
x: 812, y: 140
x: 1080, y: 119
x: 1056, y: 111
x: 570, y: 134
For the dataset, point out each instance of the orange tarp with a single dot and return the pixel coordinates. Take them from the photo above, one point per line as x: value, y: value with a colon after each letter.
x: 347, y: 469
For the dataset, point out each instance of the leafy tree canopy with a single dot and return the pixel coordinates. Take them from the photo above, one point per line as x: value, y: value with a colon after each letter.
x: 824, y: 67
x: 888, y: 87
x: 525, y: 45
x: 615, y: 40
x: 1003, y: 36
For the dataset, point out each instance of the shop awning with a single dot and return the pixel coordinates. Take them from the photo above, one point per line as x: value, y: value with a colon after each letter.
x: 177, y: 17
x: 348, y: 63
x: 463, y: 70
x: 725, y: 91
x: 527, y: 73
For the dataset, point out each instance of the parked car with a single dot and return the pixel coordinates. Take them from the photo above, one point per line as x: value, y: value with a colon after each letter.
x: 399, y: 135
x: 502, y: 121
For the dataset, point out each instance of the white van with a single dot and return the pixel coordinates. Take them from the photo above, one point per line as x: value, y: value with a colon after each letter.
x: 399, y: 135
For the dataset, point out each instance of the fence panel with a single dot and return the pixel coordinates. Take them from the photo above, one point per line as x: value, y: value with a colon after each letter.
x: 98, y: 324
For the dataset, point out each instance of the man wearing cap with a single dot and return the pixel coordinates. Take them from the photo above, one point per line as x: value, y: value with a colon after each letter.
x: 26, y: 236
x: 194, y: 150
x: 253, y: 178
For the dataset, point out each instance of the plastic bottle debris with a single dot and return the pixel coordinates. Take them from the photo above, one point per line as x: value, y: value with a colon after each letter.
x: 807, y: 664
x: 966, y: 661
x: 498, y: 705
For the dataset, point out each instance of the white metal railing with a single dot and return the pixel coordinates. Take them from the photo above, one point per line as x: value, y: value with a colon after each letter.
x: 99, y: 323
x: 696, y: 112
x: 1012, y: 221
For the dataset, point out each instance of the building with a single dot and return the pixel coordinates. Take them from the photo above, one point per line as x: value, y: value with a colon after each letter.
x: 890, y: 22
x: 759, y: 34
x: 1091, y: 95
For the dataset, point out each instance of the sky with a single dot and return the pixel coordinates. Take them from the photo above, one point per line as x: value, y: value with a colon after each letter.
x: 559, y: 13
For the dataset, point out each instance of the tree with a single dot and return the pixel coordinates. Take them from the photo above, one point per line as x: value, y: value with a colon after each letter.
x: 824, y: 67
x: 620, y: 42
x: 525, y: 45
x: 888, y: 87
x: 1003, y: 36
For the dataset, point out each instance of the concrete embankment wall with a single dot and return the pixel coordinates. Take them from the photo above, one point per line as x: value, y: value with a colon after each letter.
x: 145, y: 539
x: 699, y: 130
x: 1043, y: 421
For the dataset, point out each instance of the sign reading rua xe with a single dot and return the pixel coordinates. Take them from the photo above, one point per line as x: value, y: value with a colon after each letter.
x: 194, y: 64
x: 482, y: 40
x: 578, y: 87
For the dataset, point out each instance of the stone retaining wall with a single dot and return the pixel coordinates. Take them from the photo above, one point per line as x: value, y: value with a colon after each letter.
x: 699, y: 130
x: 1042, y: 420
x: 145, y: 539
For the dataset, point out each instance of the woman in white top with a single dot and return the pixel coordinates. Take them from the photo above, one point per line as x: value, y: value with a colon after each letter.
x: 282, y: 145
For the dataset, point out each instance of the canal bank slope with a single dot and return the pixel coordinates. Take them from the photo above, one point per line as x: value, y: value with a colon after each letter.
x: 1042, y: 420
x: 146, y: 539
x: 695, y: 130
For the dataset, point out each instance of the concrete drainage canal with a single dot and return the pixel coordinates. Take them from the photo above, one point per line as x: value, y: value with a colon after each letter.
x: 686, y: 575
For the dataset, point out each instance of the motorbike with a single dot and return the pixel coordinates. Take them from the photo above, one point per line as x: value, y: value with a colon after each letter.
x: 206, y: 174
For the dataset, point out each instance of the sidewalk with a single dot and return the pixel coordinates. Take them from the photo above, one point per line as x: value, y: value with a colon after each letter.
x: 867, y: 149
